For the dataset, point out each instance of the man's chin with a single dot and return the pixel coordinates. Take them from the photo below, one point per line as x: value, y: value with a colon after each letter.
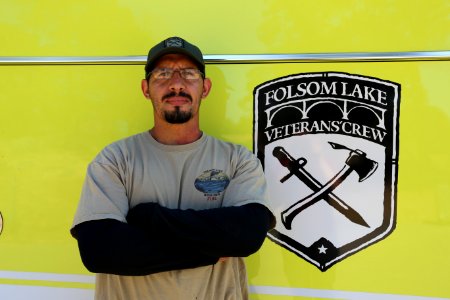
x: 177, y: 116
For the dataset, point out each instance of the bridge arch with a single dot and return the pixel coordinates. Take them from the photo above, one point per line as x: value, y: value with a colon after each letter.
x: 345, y: 106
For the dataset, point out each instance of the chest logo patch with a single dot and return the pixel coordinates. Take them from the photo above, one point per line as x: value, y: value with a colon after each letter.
x: 212, y: 181
x: 329, y: 146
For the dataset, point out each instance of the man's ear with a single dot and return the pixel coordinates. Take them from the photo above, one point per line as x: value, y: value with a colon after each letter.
x: 145, y: 88
x: 207, y: 85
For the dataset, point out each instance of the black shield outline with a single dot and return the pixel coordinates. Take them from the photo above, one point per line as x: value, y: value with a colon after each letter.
x: 391, y: 172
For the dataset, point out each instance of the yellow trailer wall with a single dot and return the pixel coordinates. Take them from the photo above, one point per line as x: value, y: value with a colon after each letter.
x: 55, y: 118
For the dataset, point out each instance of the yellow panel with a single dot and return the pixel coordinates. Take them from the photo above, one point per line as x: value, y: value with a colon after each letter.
x: 129, y: 27
x: 413, y: 260
x: 54, y: 119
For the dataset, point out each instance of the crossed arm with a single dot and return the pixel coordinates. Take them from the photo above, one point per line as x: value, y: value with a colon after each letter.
x: 157, y: 239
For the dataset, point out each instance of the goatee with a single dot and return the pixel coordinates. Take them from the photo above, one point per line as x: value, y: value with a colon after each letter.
x: 177, y: 116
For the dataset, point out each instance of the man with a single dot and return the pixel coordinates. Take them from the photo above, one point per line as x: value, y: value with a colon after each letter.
x: 169, y: 213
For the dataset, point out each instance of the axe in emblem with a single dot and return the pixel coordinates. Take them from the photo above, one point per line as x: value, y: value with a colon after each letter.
x: 357, y: 161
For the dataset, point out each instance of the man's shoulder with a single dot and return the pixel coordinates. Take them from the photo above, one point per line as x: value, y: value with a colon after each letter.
x: 128, y: 141
x: 122, y: 147
x: 224, y: 143
x: 231, y: 147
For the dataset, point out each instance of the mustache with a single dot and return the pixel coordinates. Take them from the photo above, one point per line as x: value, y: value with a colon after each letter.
x: 174, y: 94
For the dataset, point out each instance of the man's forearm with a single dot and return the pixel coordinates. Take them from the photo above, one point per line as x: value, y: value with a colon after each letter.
x: 226, y: 231
x: 110, y: 246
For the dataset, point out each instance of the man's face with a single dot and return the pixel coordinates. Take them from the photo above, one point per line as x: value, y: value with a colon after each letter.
x: 175, y: 100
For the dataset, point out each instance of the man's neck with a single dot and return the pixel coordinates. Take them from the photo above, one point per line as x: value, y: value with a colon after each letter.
x: 175, y: 134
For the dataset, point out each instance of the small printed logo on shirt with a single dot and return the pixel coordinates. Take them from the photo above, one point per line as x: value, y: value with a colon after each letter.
x: 212, y: 183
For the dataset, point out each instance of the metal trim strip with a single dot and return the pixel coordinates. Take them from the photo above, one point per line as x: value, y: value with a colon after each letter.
x: 332, y: 294
x: 39, y: 276
x: 236, y: 58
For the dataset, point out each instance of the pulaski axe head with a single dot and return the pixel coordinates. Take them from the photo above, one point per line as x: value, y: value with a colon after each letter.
x: 358, y: 162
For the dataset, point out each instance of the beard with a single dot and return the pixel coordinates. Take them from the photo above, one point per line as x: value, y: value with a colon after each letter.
x: 177, y: 116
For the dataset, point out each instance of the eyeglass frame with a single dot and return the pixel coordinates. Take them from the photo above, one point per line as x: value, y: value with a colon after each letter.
x: 172, y: 71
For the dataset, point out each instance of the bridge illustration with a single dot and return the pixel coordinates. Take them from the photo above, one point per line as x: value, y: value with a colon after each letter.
x: 346, y: 106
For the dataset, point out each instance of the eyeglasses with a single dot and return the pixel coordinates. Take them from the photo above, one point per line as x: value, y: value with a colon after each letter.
x: 167, y: 73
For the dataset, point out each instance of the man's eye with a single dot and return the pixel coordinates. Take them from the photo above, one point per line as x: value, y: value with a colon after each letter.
x: 189, y: 73
x: 163, y: 74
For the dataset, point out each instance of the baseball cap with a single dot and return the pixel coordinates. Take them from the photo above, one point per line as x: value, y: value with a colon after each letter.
x: 174, y: 45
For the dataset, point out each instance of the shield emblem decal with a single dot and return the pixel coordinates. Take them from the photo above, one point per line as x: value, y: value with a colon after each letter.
x: 328, y: 143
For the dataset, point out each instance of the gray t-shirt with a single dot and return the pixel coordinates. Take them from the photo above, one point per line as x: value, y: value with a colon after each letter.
x: 207, y: 173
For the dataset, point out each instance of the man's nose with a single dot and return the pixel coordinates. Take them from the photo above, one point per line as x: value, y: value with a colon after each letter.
x: 177, y: 82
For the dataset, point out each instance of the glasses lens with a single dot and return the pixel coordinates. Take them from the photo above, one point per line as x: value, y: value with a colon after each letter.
x: 166, y: 73
x: 162, y: 73
x: 189, y: 74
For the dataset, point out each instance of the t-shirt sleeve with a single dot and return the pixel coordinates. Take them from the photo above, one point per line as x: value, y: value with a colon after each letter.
x: 248, y: 183
x: 103, y: 194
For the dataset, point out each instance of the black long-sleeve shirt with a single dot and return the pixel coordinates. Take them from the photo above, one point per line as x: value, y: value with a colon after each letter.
x: 157, y: 239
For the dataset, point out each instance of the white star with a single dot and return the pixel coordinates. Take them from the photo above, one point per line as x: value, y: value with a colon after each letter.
x: 322, y: 249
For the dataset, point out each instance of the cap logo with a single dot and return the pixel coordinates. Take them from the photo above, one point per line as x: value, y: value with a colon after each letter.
x: 174, y: 42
